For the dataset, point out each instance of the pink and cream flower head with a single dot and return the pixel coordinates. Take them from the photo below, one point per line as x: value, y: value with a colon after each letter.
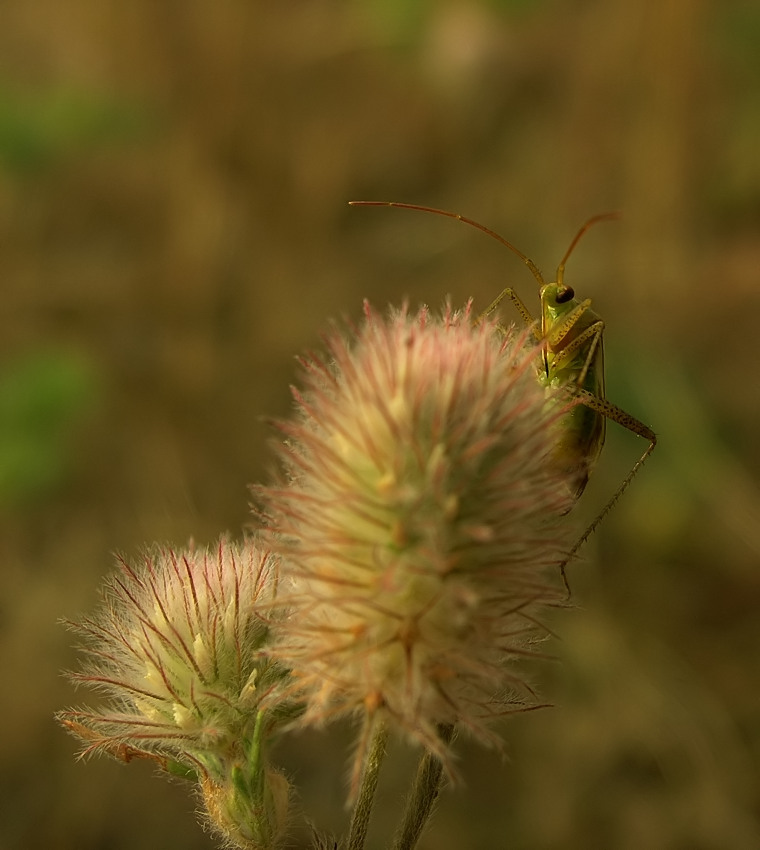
x: 178, y: 648
x: 418, y: 523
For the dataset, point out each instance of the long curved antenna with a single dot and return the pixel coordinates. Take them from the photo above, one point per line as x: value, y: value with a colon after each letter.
x: 592, y: 221
x: 487, y: 230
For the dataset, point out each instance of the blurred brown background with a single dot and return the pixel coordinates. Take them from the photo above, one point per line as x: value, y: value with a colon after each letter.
x: 174, y: 229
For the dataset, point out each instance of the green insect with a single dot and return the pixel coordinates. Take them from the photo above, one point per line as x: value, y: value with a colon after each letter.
x: 572, y: 358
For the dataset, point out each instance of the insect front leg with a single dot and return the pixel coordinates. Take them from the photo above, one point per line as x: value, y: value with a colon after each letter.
x: 592, y: 333
x: 519, y: 305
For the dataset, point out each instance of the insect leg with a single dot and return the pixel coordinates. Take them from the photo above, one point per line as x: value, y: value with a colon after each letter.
x: 615, y: 414
x: 592, y: 332
x: 519, y: 306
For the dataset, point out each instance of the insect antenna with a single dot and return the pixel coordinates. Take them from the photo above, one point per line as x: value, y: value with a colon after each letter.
x: 595, y: 219
x: 477, y: 225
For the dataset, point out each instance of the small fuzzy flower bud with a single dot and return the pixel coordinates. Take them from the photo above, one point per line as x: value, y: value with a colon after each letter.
x: 179, y: 648
x: 420, y: 526
x: 249, y: 808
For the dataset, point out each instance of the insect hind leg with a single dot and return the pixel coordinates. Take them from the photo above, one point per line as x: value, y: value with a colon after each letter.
x: 615, y: 414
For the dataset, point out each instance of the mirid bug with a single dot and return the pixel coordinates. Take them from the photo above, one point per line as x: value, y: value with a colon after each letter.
x: 572, y: 359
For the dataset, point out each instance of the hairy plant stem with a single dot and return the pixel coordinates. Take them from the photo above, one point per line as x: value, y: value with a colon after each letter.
x: 357, y: 834
x: 424, y: 793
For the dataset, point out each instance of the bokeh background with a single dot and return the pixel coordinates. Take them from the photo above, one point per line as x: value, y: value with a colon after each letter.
x: 174, y: 229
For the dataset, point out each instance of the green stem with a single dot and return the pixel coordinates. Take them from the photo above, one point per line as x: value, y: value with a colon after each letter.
x: 255, y: 773
x: 419, y: 806
x: 357, y: 834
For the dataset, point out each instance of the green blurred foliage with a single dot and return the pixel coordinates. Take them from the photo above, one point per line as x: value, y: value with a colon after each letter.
x: 42, y: 398
x: 38, y: 127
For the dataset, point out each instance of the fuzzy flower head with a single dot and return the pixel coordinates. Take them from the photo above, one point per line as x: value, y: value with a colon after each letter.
x: 178, y: 648
x: 420, y: 524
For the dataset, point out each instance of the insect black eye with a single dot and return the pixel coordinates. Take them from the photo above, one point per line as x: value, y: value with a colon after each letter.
x: 564, y: 294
